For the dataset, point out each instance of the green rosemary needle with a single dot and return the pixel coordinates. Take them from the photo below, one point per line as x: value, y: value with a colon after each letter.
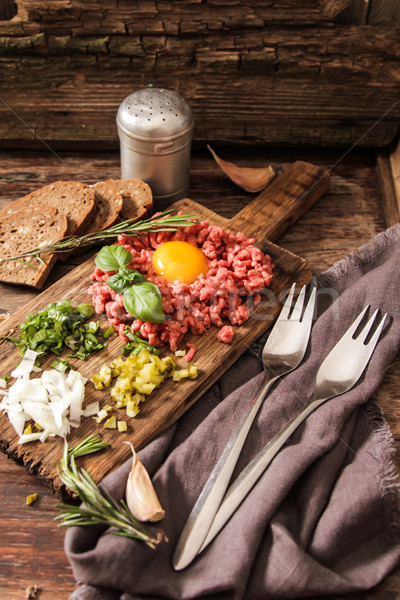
x: 97, y: 505
x: 89, y: 445
x: 164, y: 221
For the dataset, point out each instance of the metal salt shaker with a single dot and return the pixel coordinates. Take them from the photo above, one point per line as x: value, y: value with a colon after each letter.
x: 155, y: 129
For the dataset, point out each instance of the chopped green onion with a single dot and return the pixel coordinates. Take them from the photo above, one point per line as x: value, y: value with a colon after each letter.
x: 108, y: 332
x: 59, y: 325
x: 86, y: 310
x: 60, y: 365
x: 136, y: 344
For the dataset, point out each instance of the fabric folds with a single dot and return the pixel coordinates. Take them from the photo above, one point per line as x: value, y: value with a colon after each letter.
x: 324, y: 517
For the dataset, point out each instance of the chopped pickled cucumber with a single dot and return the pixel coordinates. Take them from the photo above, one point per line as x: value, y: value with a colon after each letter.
x: 135, y: 377
x: 111, y: 423
x: 31, y: 499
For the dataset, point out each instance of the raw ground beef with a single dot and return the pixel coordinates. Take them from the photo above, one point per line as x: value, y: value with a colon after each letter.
x: 225, y: 334
x: 237, y: 269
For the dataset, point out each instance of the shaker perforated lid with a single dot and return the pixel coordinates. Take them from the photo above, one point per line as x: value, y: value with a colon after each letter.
x: 155, y: 114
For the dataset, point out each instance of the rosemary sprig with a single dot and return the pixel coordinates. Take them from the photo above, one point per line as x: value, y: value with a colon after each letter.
x: 164, y: 221
x: 97, y: 505
x: 89, y: 445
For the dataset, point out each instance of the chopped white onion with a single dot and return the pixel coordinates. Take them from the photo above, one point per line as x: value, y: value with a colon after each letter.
x: 44, y: 435
x: 53, y: 400
x: 29, y: 437
x: 26, y: 365
x: 17, y: 420
x: 91, y: 409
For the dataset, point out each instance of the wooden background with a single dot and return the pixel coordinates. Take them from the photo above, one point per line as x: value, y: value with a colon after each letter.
x: 361, y: 202
x: 290, y: 194
x: 271, y: 72
x: 270, y: 81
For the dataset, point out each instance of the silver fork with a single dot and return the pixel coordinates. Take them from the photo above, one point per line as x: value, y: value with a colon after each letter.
x: 338, y: 373
x: 282, y: 353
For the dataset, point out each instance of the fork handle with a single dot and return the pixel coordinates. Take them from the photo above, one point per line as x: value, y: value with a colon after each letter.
x: 207, y: 504
x: 253, y: 471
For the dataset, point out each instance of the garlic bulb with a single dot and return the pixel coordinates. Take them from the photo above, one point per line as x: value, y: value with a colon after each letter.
x: 140, y: 495
x: 251, y: 179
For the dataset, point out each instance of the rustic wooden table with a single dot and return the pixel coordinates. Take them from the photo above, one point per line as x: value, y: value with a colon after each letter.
x: 361, y: 202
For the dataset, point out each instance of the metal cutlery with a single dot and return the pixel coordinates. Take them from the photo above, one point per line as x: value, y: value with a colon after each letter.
x: 338, y: 373
x: 282, y: 353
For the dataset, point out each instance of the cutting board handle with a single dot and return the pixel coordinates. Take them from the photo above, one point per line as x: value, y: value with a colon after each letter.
x: 282, y: 202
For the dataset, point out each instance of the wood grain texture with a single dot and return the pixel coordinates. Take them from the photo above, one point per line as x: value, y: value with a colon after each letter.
x: 282, y: 202
x: 290, y: 196
x: 372, y: 12
x: 349, y: 214
x: 270, y: 73
x: 389, y: 188
x: 168, y: 16
x: 394, y: 161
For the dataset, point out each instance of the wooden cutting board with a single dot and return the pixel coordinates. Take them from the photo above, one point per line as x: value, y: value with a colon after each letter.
x: 265, y: 219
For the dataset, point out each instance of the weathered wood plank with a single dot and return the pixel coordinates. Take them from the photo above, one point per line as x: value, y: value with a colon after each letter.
x: 372, y: 12
x: 174, y: 16
x: 394, y: 159
x: 385, y: 174
x: 295, y: 190
x: 349, y: 214
x: 68, y: 65
x: 388, y: 168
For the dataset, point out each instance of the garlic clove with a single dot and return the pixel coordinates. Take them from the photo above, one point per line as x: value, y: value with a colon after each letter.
x: 249, y: 178
x: 140, y: 495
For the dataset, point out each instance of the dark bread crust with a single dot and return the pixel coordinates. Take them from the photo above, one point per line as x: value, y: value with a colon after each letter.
x: 24, y: 230
x: 109, y: 204
x: 137, y: 198
x: 75, y: 199
x: 65, y: 208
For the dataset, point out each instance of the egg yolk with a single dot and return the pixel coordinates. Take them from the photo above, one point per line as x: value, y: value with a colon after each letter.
x: 179, y: 261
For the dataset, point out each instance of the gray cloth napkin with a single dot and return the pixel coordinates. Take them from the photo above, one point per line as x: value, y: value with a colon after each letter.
x: 324, y: 517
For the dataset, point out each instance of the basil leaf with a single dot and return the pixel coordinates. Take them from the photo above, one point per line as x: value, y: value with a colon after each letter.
x: 85, y: 310
x: 143, y: 301
x: 134, y: 276
x: 118, y: 282
x: 112, y: 258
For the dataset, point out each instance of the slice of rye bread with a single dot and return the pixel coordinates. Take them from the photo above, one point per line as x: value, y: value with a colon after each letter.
x: 73, y: 198
x: 109, y: 204
x: 27, y: 229
x: 137, y: 198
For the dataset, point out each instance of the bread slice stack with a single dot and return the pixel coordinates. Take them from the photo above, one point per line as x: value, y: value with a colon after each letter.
x: 27, y: 229
x: 64, y: 208
x: 73, y: 198
x: 136, y: 195
x: 109, y: 204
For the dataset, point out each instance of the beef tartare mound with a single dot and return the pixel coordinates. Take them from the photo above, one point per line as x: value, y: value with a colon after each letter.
x: 236, y: 269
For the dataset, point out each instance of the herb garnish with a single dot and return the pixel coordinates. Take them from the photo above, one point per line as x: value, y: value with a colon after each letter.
x: 164, y: 221
x: 136, y: 343
x: 97, y: 505
x: 60, y: 365
x: 141, y: 298
x: 59, y: 325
